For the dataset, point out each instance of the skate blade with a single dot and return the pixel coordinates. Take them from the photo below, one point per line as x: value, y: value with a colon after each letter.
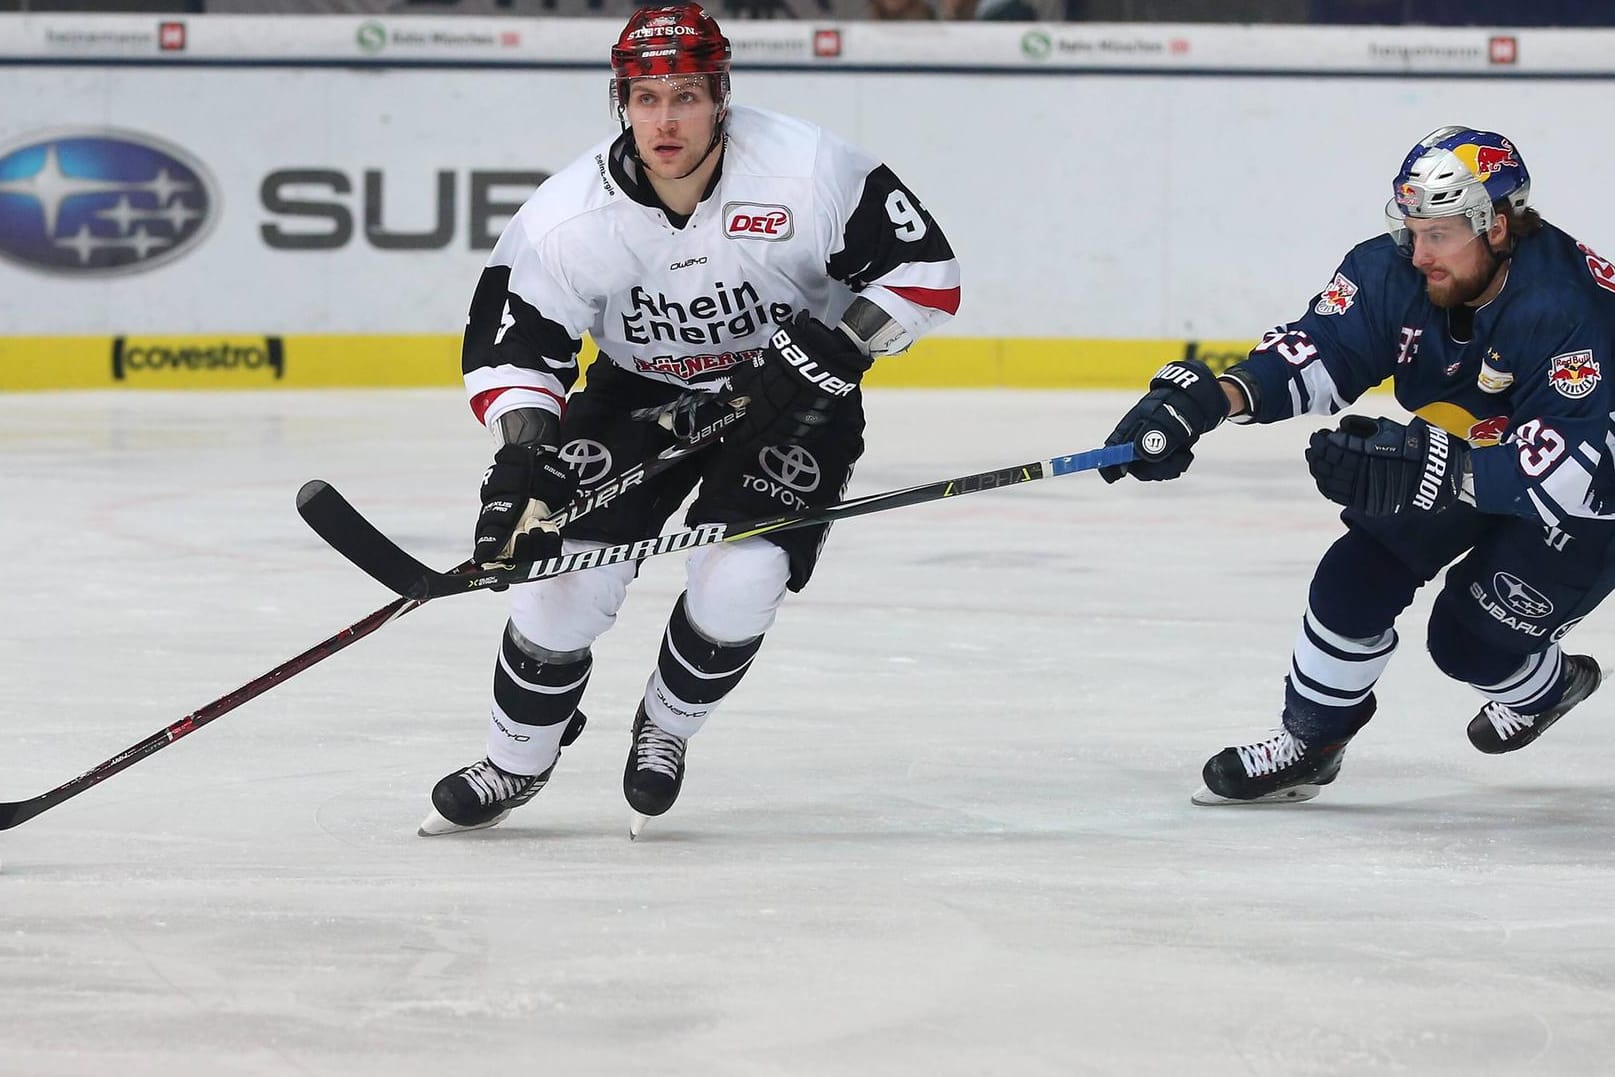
x: 435, y: 825
x: 636, y: 824
x: 1296, y: 794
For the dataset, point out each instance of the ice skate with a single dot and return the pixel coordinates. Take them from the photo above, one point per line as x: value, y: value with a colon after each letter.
x: 1284, y: 768
x: 1280, y: 769
x: 1498, y: 729
x: 483, y: 794
x: 654, y: 772
x: 479, y: 796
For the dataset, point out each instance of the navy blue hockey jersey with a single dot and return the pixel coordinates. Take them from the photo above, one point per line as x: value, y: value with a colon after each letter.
x: 1525, y: 384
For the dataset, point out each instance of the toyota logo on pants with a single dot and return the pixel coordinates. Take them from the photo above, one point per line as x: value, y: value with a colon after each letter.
x: 793, y: 467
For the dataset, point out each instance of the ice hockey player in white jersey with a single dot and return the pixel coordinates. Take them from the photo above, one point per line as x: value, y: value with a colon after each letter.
x: 707, y: 249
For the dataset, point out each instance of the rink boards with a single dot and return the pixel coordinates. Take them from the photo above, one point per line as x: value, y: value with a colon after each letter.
x: 220, y: 201
x: 225, y: 361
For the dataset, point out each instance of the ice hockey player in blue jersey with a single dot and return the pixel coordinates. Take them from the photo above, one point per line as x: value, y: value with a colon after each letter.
x: 1495, y: 326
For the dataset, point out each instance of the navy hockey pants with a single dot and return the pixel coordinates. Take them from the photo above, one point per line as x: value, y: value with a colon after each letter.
x: 1516, y: 589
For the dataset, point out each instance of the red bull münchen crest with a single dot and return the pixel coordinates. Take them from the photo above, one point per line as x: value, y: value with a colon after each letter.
x: 1573, y: 374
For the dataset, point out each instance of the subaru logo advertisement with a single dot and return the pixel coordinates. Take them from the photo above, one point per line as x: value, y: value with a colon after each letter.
x: 95, y: 203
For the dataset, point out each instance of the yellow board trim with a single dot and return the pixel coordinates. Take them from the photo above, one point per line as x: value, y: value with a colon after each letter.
x: 295, y: 361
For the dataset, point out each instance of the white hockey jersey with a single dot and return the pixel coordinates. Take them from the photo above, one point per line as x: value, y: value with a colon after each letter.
x: 795, y: 219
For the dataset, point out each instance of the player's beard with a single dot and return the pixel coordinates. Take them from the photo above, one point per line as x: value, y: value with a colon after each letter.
x: 1459, y: 289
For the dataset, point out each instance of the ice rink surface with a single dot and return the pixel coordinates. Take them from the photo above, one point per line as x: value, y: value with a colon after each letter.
x: 943, y: 828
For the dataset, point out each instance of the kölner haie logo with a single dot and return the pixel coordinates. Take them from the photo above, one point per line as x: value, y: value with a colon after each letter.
x: 101, y: 202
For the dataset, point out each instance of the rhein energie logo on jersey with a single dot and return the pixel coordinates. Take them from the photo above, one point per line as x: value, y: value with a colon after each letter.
x: 723, y: 317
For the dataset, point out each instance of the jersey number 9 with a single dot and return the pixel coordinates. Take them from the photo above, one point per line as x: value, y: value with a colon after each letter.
x: 910, y: 225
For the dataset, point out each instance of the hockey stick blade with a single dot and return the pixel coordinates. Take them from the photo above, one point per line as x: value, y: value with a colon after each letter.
x: 347, y: 531
x: 357, y: 539
x: 487, y: 578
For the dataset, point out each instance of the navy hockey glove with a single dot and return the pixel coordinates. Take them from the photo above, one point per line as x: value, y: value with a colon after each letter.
x: 525, y: 484
x: 793, y: 387
x: 1380, y: 467
x: 1185, y: 400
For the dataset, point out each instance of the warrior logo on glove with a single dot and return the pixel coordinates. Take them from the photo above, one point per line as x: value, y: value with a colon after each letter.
x: 1185, y: 400
x: 1381, y: 467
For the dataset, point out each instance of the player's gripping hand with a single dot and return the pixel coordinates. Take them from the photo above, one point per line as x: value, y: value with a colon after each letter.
x: 695, y: 416
x: 525, y: 484
x: 1381, y: 467
x: 1185, y: 400
x: 793, y: 387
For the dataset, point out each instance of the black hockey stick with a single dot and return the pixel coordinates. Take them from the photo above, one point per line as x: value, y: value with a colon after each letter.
x: 340, y: 524
x: 20, y: 811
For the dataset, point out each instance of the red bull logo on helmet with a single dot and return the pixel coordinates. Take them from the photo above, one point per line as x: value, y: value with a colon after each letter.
x: 1487, y: 161
x: 1573, y: 374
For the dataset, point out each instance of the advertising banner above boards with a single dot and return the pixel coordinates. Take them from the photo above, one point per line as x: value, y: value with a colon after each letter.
x: 533, y: 42
x: 225, y: 200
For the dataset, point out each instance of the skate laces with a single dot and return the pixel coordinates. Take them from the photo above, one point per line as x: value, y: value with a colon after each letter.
x: 493, y: 785
x: 655, y: 749
x: 1271, y: 755
x: 1506, y: 720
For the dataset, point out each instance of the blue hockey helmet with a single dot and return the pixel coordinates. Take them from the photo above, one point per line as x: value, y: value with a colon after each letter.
x: 1456, y: 171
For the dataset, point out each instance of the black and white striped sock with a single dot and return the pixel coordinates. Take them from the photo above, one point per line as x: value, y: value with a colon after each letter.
x: 535, y: 693
x: 693, y: 673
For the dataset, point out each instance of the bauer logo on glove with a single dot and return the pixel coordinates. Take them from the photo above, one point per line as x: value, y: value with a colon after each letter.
x: 793, y: 389
x: 811, y: 372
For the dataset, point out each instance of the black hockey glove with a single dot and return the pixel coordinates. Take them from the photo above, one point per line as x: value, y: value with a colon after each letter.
x: 1185, y: 400
x: 525, y: 484
x: 793, y: 387
x: 694, y: 416
x: 1381, y: 467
